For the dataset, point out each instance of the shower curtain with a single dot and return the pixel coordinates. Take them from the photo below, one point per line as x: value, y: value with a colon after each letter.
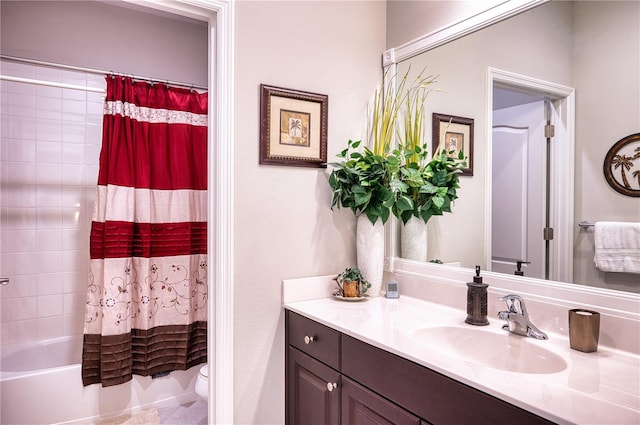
x: 146, y: 310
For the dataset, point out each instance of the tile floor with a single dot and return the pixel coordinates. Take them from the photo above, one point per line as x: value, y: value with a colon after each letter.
x: 191, y: 414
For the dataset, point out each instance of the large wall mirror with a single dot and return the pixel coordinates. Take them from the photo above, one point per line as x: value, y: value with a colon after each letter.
x: 574, y: 64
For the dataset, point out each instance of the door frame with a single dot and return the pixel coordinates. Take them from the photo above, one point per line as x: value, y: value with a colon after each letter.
x: 562, y: 177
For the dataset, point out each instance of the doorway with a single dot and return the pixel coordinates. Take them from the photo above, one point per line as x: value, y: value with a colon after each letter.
x: 530, y: 186
x: 519, y: 191
x: 219, y: 16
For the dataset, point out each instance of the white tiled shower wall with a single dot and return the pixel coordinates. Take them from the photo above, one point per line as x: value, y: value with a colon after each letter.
x: 50, y: 146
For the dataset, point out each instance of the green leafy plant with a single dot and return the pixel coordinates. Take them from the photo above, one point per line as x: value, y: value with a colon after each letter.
x: 360, y: 182
x: 426, y: 188
x: 378, y: 181
x: 353, y: 274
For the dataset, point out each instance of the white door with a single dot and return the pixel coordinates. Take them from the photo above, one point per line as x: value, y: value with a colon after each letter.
x: 518, y: 189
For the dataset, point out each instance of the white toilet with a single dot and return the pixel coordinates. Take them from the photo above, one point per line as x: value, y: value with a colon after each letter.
x: 202, y: 382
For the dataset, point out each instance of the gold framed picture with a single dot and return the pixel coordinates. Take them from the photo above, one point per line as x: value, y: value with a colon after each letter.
x: 293, y: 127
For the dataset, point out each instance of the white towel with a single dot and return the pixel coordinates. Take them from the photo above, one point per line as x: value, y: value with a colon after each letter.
x: 617, y: 246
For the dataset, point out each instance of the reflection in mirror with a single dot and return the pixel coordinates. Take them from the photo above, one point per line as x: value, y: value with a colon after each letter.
x: 515, y: 65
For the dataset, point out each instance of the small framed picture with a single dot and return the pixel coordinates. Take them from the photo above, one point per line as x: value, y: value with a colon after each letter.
x: 293, y: 127
x: 456, y: 133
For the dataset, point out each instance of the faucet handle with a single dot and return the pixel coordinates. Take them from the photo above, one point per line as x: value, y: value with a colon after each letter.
x: 515, y: 303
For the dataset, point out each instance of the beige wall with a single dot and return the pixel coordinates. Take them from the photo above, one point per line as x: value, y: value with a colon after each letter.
x: 283, y: 225
x: 407, y: 20
x: 608, y: 109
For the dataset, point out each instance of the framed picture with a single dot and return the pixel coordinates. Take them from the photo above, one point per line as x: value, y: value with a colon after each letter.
x: 293, y: 127
x: 457, y: 135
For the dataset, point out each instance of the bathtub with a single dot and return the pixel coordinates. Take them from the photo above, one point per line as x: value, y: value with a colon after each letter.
x: 41, y: 383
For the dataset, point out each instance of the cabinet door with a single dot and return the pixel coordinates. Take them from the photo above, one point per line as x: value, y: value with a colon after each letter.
x: 313, y: 391
x: 361, y: 406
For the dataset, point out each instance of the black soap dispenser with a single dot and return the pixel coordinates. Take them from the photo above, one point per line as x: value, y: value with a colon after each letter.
x: 477, y: 301
x: 519, y: 264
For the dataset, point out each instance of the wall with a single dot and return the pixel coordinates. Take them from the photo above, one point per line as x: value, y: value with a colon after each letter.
x: 50, y: 145
x: 605, y: 115
x: 408, y: 20
x: 283, y: 225
x: 102, y: 36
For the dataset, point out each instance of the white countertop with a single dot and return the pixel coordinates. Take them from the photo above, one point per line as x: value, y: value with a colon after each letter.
x: 595, y: 388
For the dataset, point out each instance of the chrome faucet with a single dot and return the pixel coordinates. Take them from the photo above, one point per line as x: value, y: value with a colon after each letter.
x: 518, y: 319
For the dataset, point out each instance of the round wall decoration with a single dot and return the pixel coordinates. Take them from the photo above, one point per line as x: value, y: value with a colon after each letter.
x: 622, y: 165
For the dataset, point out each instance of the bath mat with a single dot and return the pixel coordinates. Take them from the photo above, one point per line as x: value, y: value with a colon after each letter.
x: 146, y: 417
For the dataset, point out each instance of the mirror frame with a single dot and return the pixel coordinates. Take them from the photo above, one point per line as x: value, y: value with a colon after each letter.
x: 625, y: 303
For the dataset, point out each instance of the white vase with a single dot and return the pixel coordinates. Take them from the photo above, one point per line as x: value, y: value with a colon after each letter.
x: 370, y: 252
x: 413, y: 239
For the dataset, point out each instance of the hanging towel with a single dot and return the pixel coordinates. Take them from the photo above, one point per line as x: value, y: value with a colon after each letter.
x: 617, y: 246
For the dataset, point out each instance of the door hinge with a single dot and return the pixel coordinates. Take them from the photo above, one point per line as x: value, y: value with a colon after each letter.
x: 548, y: 233
x: 549, y: 131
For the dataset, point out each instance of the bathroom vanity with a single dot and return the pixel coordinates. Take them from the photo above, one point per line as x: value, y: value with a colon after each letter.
x: 334, y: 378
x: 410, y: 361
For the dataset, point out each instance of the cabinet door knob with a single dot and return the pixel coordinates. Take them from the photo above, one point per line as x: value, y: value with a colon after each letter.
x: 308, y: 339
x: 331, y: 386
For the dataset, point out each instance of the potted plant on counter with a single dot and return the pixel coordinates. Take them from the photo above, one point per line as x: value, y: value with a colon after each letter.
x: 351, y: 283
x: 424, y: 187
x: 362, y: 180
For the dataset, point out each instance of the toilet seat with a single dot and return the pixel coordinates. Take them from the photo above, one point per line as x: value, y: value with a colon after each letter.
x: 202, y: 382
x: 204, y: 371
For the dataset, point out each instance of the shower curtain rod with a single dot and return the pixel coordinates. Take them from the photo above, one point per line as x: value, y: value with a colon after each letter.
x: 51, y: 84
x: 98, y: 71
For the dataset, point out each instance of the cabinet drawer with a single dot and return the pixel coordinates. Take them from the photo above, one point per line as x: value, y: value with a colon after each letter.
x: 428, y: 394
x: 319, y: 341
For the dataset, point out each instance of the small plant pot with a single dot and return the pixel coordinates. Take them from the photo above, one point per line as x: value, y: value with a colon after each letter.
x: 350, y: 288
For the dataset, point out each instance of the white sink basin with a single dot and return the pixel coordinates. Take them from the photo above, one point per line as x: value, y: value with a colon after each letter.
x: 506, y: 351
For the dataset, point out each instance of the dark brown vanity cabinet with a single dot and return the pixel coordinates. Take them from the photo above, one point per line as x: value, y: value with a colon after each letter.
x: 317, y: 393
x: 313, y: 380
x: 332, y: 378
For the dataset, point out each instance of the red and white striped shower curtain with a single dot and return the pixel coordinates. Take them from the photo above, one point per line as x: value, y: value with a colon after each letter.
x: 146, y: 309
